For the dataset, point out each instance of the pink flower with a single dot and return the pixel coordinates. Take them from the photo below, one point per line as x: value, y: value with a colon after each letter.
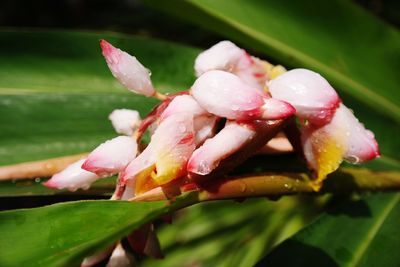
x: 343, y: 138
x: 125, y: 121
x: 226, y: 142
x: 226, y: 56
x: 164, y: 159
x: 313, y: 97
x: 72, y: 178
x: 128, y: 70
x: 225, y: 95
x: 112, y: 156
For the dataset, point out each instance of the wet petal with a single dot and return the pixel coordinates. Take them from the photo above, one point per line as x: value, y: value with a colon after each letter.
x: 222, y: 56
x: 127, y: 69
x: 173, y: 144
x: 183, y: 103
x: 165, y: 157
x: 112, y: 156
x: 72, y: 178
x: 226, y: 142
x: 125, y: 121
x: 311, y: 95
x: 226, y: 56
x: 204, y: 128
x: 362, y: 145
x: 225, y: 95
x: 344, y: 137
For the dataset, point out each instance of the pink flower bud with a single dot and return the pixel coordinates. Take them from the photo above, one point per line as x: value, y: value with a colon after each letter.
x: 128, y: 70
x: 72, y: 178
x: 125, y: 121
x: 343, y: 137
x: 222, y: 56
x: 230, y: 139
x: 312, y: 96
x: 112, y: 156
x: 225, y: 95
x: 226, y: 56
x: 171, y: 146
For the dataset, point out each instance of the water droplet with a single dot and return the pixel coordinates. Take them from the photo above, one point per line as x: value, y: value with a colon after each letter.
x: 235, y: 108
x: 243, y: 187
x: 38, y: 180
x: 353, y: 159
x: 288, y: 186
x: 182, y: 128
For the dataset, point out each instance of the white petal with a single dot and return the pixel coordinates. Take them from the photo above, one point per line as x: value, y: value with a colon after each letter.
x: 125, y: 121
x: 311, y: 95
x: 226, y: 142
x: 204, y: 128
x: 112, y: 156
x: 362, y: 145
x: 222, y: 56
x: 225, y: 95
x: 183, y: 103
x: 72, y: 178
x: 128, y: 70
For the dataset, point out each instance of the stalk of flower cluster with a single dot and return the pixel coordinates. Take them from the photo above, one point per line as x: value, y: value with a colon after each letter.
x: 40, y: 168
x: 279, y: 184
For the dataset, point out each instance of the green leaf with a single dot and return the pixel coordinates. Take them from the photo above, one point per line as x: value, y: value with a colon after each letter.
x: 226, y: 233
x: 356, y: 233
x: 56, y: 90
x: 63, y: 234
x: 355, y: 51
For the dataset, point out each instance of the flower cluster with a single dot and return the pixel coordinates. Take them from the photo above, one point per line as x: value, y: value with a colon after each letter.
x: 237, y: 104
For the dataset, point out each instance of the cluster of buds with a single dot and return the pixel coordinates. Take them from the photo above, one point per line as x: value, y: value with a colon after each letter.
x: 237, y: 104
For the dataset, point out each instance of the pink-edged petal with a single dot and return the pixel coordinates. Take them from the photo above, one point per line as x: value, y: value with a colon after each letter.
x: 343, y: 137
x: 204, y: 128
x: 173, y: 144
x: 226, y: 142
x: 170, y: 147
x: 274, y: 109
x: 72, y: 178
x: 222, y: 56
x: 361, y: 145
x: 128, y: 70
x: 143, y: 161
x: 183, y: 103
x: 124, y: 121
x: 312, y: 96
x: 112, y: 156
x: 226, y: 95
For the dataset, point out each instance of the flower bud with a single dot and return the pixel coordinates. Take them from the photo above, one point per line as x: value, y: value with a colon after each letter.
x: 127, y: 69
x: 225, y: 95
x: 72, y: 178
x: 112, y: 156
x: 124, y: 121
x: 312, y: 96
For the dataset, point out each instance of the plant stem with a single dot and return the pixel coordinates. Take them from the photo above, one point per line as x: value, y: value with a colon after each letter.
x: 344, y: 181
x: 41, y: 168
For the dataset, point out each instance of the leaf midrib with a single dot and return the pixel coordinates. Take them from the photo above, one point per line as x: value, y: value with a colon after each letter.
x: 370, y: 236
x: 387, y: 107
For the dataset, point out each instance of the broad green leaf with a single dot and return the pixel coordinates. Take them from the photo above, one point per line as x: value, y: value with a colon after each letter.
x: 63, y: 234
x: 226, y: 233
x: 355, y: 51
x: 56, y: 90
x: 356, y: 233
